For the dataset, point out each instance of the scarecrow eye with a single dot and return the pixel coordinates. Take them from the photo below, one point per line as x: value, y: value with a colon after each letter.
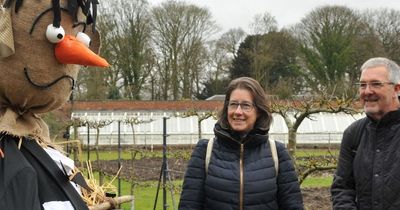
x: 83, y: 38
x: 54, y: 34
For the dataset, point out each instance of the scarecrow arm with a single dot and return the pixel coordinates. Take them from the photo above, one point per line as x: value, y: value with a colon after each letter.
x: 112, y: 202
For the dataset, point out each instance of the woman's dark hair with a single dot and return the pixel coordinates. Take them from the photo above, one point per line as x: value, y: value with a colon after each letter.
x: 264, y: 117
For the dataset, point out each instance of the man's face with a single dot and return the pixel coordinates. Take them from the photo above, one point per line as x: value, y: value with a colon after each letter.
x: 378, y: 95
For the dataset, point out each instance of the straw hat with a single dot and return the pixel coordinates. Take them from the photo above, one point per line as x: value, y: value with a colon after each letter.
x: 6, y: 34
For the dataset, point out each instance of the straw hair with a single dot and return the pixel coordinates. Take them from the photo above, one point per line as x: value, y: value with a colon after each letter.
x: 6, y: 34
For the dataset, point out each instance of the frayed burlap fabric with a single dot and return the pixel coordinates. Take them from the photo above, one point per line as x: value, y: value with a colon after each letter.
x: 6, y: 33
x: 24, y: 124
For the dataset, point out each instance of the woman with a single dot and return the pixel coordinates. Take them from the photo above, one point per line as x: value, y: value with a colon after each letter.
x: 241, y: 173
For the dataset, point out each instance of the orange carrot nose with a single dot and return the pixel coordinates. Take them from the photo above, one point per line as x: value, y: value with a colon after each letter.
x: 72, y: 51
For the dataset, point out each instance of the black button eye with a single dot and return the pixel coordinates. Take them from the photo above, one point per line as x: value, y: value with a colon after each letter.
x: 54, y: 34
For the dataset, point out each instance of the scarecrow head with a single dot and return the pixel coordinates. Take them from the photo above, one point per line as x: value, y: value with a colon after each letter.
x: 43, y: 43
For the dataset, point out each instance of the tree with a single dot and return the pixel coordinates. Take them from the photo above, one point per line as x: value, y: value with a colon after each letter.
x: 200, y: 116
x: 91, y: 83
x: 213, y: 87
x: 56, y: 121
x: 296, y: 110
x: 97, y: 125
x: 220, y: 55
x: 127, y: 46
x: 241, y: 63
x: 230, y: 40
x: 179, y: 36
x: 264, y: 23
x: 135, y: 120
x: 330, y: 54
x: 268, y: 58
x: 385, y: 23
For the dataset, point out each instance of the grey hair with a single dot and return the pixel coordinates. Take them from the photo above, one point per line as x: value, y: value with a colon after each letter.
x: 392, y: 68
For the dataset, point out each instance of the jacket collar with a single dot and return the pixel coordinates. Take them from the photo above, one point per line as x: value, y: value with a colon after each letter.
x: 232, y: 139
x: 387, y: 119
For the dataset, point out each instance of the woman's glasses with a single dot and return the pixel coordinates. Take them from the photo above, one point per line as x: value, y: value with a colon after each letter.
x: 245, y: 106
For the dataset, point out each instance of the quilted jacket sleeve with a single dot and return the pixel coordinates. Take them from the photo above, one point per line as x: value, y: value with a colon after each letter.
x: 192, y: 196
x: 289, y: 193
x: 343, y: 187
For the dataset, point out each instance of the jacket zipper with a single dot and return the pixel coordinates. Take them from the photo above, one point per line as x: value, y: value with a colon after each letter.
x: 241, y: 176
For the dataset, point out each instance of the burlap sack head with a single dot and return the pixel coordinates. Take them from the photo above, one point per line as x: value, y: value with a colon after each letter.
x: 31, y: 80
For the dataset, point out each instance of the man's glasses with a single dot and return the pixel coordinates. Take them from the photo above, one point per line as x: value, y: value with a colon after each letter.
x: 245, y: 106
x: 372, y: 85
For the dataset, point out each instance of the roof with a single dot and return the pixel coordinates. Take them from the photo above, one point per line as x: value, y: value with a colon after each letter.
x: 143, y: 105
x: 129, y: 105
x: 216, y: 97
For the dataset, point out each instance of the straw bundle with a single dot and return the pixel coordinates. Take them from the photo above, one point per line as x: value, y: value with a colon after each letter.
x: 97, y: 194
x: 96, y: 199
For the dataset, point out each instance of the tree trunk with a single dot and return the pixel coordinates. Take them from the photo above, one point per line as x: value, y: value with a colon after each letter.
x: 74, y: 149
x: 133, y: 134
x: 98, y: 156
x: 292, y: 141
x: 199, y: 126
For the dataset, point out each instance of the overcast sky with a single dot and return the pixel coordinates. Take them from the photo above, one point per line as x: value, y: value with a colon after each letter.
x: 240, y: 13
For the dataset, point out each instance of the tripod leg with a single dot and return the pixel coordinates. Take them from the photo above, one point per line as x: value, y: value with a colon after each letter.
x: 158, y: 185
x: 170, y: 186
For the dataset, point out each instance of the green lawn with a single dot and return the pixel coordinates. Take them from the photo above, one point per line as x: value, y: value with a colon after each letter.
x: 319, y: 181
x: 316, y: 152
x: 145, y: 192
x: 127, y: 154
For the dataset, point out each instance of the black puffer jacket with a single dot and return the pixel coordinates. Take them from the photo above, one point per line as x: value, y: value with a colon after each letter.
x: 220, y: 188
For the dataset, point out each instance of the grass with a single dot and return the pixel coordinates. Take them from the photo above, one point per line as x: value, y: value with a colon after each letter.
x: 145, y: 195
x: 145, y: 192
x: 319, y: 181
x: 127, y: 155
x: 113, y: 155
x: 108, y: 155
x: 316, y: 152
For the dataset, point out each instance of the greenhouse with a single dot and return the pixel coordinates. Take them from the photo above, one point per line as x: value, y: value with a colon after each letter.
x: 321, y: 128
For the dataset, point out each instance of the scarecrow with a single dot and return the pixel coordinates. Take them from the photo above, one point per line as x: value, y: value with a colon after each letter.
x: 43, y: 43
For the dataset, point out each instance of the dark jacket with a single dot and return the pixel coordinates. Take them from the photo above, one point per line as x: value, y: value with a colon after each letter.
x: 29, y: 177
x: 220, y: 188
x: 368, y: 177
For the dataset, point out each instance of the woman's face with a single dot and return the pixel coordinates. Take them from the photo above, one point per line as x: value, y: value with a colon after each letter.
x: 242, y: 113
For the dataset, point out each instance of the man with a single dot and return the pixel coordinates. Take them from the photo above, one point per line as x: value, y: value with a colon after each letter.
x: 368, y: 172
